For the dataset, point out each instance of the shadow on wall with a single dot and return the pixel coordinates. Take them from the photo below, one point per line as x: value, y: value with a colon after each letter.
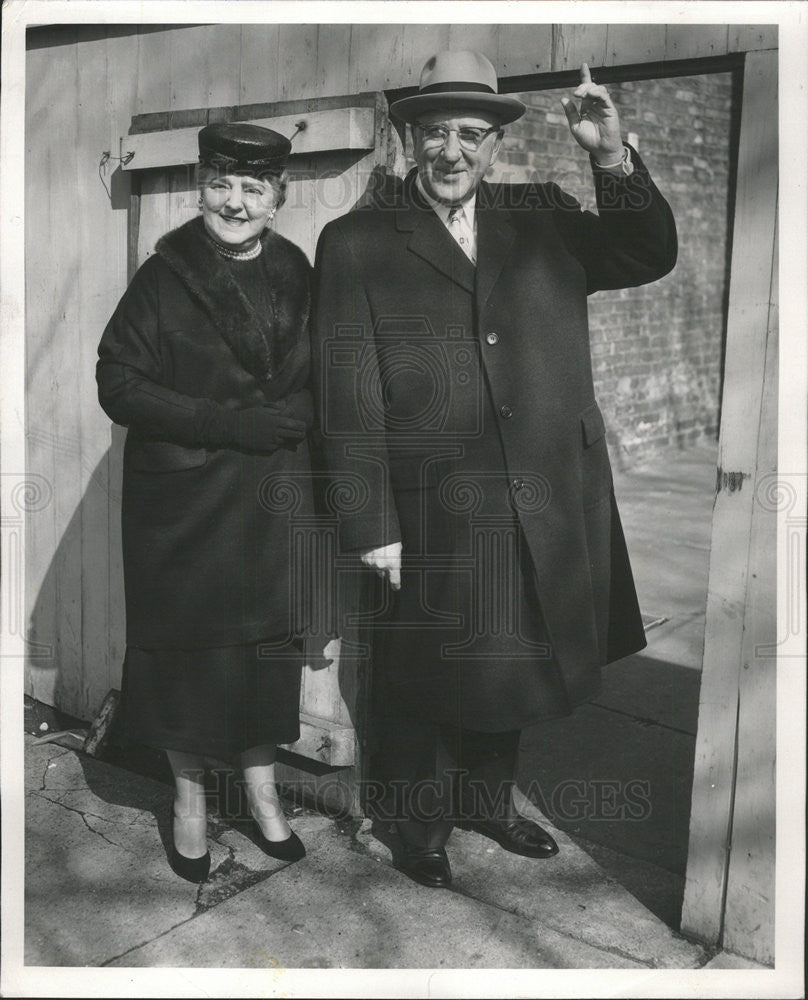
x: 75, y: 635
x: 118, y: 188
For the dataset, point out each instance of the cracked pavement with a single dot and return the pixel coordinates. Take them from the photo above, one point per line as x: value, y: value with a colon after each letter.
x: 99, y: 892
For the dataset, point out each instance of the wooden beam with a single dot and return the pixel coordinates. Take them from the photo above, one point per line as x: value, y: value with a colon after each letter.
x: 577, y: 43
x: 324, y: 741
x: 133, y: 229
x: 100, y: 727
x: 752, y: 37
x: 524, y: 48
x: 338, y: 129
x: 334, y: 791
x: 732, y: 561
x: 749, y: 907
x: 325, y: 691
x: 690, y: 41
x: 633, y: 43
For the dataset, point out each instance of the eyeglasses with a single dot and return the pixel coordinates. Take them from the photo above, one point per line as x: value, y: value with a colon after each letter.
x: 468, y: 137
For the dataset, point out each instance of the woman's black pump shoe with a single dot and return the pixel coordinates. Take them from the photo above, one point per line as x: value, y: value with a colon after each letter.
x: 291, y: 849
x: 191, y: 869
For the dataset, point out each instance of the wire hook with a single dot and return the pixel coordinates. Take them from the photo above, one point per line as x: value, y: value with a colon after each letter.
x: 106, y: 156
x: 300, y: 126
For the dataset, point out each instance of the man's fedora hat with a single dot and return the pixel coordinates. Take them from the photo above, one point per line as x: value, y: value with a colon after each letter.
x: 458, y: 80
x: 242, y: 148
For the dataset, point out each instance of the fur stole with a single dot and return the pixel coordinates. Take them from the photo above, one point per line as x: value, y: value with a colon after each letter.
x: 262, y: 343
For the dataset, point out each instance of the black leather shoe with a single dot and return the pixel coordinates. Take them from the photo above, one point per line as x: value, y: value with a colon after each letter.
x: 291, y: 849
x: 191, y: 869
x: 428, y: 866
x: 519, y: 836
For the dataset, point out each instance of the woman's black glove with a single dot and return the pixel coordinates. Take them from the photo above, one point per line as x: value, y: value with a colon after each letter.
x: 299, y: 405
x: 133, y: 400
x: 261, y: 429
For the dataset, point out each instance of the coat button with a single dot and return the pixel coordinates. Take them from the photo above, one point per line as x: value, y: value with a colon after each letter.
x: 506, y: 412
x: 518, y: 484
x: 492, y: 338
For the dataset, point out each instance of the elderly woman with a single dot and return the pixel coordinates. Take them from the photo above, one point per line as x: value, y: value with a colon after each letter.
x: 206, y: 361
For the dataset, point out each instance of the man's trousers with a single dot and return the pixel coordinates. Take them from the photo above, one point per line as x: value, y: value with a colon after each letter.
x: 428, y: 777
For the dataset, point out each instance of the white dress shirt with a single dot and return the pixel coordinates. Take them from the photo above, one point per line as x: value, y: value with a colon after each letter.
x: 460, y: 220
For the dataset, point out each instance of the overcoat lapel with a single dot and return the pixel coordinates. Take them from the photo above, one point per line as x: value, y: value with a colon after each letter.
x: 495, y: 239
x: 430, y: 240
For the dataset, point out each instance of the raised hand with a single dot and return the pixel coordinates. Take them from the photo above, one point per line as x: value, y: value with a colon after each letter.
x: 595, y: 125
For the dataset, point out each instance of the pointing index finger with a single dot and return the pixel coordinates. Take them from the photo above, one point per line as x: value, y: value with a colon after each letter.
x: 586, y: 76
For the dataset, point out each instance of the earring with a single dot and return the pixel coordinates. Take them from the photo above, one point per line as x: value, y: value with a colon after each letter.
x: 199, y: 203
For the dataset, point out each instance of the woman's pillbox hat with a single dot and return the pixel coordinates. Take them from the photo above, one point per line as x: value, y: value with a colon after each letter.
x: 241, y: 148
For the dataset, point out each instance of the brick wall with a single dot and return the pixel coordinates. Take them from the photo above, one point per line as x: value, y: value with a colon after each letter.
x: 656, y: 351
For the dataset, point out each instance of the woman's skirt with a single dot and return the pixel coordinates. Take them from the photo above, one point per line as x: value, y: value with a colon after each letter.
x: 215, y: 702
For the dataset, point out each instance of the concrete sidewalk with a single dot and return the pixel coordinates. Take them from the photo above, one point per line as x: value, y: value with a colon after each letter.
x: 100, y: 893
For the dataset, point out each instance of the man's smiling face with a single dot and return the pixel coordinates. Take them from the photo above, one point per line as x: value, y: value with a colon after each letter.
x: 450, y: 171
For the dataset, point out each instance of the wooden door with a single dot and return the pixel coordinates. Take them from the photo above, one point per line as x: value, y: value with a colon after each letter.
x: 334, y: 172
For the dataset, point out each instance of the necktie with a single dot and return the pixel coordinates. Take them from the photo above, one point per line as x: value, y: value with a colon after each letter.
x: 461, y: 232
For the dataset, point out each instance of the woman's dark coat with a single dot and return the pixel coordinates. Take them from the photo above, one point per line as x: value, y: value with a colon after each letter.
x: 206, y: 531
x: 462, y: 400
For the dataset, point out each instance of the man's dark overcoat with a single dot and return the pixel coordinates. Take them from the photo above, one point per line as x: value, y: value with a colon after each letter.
x: 206, y: 531
x: 458, y: 404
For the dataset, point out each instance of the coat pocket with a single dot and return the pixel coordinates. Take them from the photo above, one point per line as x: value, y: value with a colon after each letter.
x: 596, y: 472
x: 592, y: 425
x: 164, y: 456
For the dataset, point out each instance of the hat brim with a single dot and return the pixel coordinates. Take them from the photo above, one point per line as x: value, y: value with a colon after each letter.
x: 506, y: 109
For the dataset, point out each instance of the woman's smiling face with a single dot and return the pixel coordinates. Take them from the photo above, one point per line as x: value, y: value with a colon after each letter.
x: 235, y: 207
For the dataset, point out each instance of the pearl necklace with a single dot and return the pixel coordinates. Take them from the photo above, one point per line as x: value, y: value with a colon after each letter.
x: 238, y: 254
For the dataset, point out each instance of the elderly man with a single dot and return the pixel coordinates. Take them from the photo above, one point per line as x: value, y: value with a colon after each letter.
x: 455, y: 393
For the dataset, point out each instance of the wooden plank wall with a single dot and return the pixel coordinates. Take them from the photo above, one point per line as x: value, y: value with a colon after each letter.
x: 78, y: 92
